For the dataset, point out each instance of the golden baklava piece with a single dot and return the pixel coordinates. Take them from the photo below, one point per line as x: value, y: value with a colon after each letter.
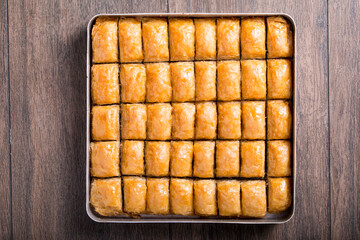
x: 253, y: 120
x: 130, y: 40
x: 159, y: 121
x: 228, y: 38
x: 253, y: 77
x: 206, y: 120
x: 253, y: 37
x: 157, y: 197
x: 228, y: 80
x: 158, y: 82
x: 204, y: 159
x: 106, y: 196
x: 105, y: 159
x: 229, y: 120
x: 157, y: 158
x: 205, y: 197
x: 182, y: 39
x: 279, y: 119
x: 205, y: 81
x: 280, y: 195
x: 104, y: 37
x: 181, y: 196
x: 155, y: 39
x: 279, y: 78
x: 252, y: 159
x: 183, y: 120
x: 132, y: 157
x: 279, y: 158
x: 105, y: 84
x: 280, y: 40
x: 227, y: 158
x: 133, y: 121
x: 205, y: 39
x: 133, y: 80
x: 105, y: 123
x: 228, y: 198
x: 253, y: 198
x: 183, y: 81
x: 182, y: 153
x: 134, y: 195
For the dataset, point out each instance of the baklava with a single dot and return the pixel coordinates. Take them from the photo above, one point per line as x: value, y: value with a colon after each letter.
x: 181, y: 39
x: 253, y: 198
x: 105, y: 84
x: 155, y: 39
x: 181, y: 196
x: 105, y: 159
x: 227, y: 158
x: 228, y: 38
x: 134, y: 195
x: 279, y: 38
x: 279, y: 194
x: 252, y: 37
x: 130, y: 40
x: 105, y: 123
x: 132, y: 80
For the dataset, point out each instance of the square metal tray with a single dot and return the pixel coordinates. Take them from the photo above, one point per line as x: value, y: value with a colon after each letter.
x: 270, y: 218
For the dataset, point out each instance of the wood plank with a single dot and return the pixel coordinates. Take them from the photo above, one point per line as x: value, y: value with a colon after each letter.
x: 47, y: 69
x: 312, y: 215
x: 5, y: 187
x: 344, y: 89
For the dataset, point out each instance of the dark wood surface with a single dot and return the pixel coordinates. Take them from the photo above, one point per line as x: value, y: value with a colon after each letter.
x: 42, y: 93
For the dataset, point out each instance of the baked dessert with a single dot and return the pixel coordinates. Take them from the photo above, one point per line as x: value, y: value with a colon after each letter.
x: 279, y: 77
x: 181, y: 158
x: 205, y: 39
x: 228, y: 198
x: 132, y: 79
x: 253, y: 37
x: 157, y: 158
x: 279, y: 119
x: 227, y: 158
x: 228, y: 38
x: 133, y: 121
x: 157, y: 196
x: 155, y: 39
x: 252, y: 159
x: 105, y: 84
x: 205, y: 81
x: 280, y: 195
x: 206, y: 120
x: 132, y: 157
x: 181, y: 39
x: 183, y: 121
x: 130, y: 40
x: 158, y: 82
x: 279, y: 38
x: 253, y: 198
x: 279, y: 158
x: 181, y: 196
x: 204, y: 159
x: 253, y: 77
x: 159, y: 121
x: 134, y: 195
x: 105, y: 159
x: 229, y: 120
x: 183, y: 81
x: 105, y: 123
x: 205, y: 197
x: 253, y: 120
x: 228, y: 80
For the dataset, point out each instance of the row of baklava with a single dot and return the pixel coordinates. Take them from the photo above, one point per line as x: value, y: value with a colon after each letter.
x: 203, y: 159
x: 187, y: 121
x: 179, y: 39
x: 188, y: 81
x: 227, y: 198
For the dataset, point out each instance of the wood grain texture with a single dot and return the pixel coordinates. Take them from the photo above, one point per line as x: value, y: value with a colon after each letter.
x: 312, y: 201
x: 48, y: 91
x: 5, y: 187
x: 344, y: 49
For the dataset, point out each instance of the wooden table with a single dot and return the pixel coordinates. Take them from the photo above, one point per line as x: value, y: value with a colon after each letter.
x: 42, y: 121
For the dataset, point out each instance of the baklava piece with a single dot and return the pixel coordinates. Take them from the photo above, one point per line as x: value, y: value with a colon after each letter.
x: 205, y: 39
x: 105, y: 84
x: 205, y: 81
x: 158, y: 82
x: 280, y: 196
x: 279, y: 78
x: 106, y: 197
x: 157, y: 197
x: 183, y: 121
x: 228, y: 80
x: 279, y: 119
x: 228, y: 38
x: 204, y: 159
x: 205, y: 197
x: 155, y: 39
x: 105, y: 40
x: 182, y: 39
x: 229, y: 120
x: 159, y: 121
x: 279, y: 38
x: 130, y: 43
x: 253, y: 37
x: 181, y: 158
x: 206, y: 120
x: 253, y: 77
x: 105, y: 159
x: 134, y: 195
x: 181, y: 196
x: 157, y: 158
x: 279, y: 158
x: 253, y: 120
x: 253, y: 198
x: 133, y: 121
x: 183, y: 81
x: 228, y: 197
x: 252, y: 159
x: 133, y: 80
x: 105, y: 123
x: 132, y: 158
x: 227, y: 158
